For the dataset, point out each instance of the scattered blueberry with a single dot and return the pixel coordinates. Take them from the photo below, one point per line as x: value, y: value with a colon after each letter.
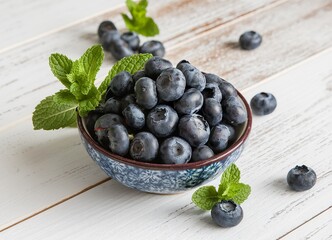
x: 202, y: 152
x: 301, y: 178
x: 175, y: 150
x: 234, y: 111
x: 132, y: 39
x: 146, y: 93
x: 120, y: 49
x: 108, y: 39
x: 190, y: 102
x: 219, y: 138
x: 118, y: 139
x: 102, y: 125
x: 250, y: 40
x: 162, y: 121
x: 112, y: 105
x: 155, y: 65
x: 212, y: 111
x: 171, y: 84
x: 194, y: 77
x: 105, y: 26
x: 263, y: 103
x: 212, y: 90
x: 194, y: 129
x: 121, y: 84
x: 144, y: 147
x: 227, y: 214
x: 134, y: 117
x: 156, y: 48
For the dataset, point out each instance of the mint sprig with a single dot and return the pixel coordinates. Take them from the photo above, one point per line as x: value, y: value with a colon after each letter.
x: 139, y: 22
x: 59, y: 110
x: 229, y: 189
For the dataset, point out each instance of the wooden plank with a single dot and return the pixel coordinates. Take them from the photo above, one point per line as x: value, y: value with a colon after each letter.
x: 21, y: 23
x: 38, y: 161
x: 298, y: 132
x: 26, y: 85
x: 318, y: 228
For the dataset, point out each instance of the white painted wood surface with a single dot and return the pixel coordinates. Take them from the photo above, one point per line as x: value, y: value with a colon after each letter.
x: 35, y: 175
x: 298, y: 132
x: 24, y: 147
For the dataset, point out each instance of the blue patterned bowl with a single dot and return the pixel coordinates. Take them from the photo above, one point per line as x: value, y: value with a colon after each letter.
x: 164, y: 178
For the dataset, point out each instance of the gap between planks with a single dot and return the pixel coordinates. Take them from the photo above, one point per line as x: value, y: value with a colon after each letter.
x: 57, y: 203
x: 305, y: 222
x: 244, y: 90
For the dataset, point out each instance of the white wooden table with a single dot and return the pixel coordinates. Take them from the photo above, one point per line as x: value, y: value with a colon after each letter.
x: 51, y: 189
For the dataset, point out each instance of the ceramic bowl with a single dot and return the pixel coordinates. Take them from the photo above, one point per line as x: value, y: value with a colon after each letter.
x: 165, y: 178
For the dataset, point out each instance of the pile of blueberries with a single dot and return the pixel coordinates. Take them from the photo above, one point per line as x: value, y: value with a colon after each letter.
x: 126, y: 44
x: 167, y: 115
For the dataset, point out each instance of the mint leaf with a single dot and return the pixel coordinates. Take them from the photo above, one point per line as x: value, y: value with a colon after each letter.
x: 205, y: 197
x: 64, y: 96
x: 60, y: 66
x: 139, y: 22
x: 230, y: 175
x: 91, y: 62
x: 90, y: 102
x: 238, y: 192
x: 130, y: 64
x: 49, y: 115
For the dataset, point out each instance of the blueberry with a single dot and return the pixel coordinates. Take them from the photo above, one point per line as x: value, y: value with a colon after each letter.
x: 190, y: 102
x: 234, y: 111
x: 125, y: 101
x: 227, y: 214
x: 212, y: 90
x: 194, y: 77
x: 118, y: 139
x: 250, y: 40
x: 226, y: 88
x: 112, y: 105
x: 137, y: 75
x: 212, y: 111
x: 301, y: 178
x: 219, y: 138
x: 144, y: 147
x: 134, y: 117
x: 263, y: 103
x: 171, y: 84
x: 132, y: 39
x: 155, y: 65
x: 232, y: 136
x: 162, y: 121
x: 105, y: 26
x: 102, y: 125
x: 175, y: 150
x: 202, y: 152
x: 90, y: 120
x: 156, y: 48
x: 146, y: 93
x: 108, y: 39
x: 121, y: 84
x: 194, y: 129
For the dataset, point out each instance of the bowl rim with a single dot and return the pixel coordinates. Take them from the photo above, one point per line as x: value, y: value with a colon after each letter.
x: 184, y: 166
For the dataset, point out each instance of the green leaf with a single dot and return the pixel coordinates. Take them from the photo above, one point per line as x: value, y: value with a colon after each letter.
x: 238, y: 192
x: 64, y: 96
x: 230, y: 175
x: 91, y: 62
x: 90, y: 102
x: 130, y: 64
x: 60, y: 66
x: 205, y: 197
x: 139, y: 22
x: 49, y: 115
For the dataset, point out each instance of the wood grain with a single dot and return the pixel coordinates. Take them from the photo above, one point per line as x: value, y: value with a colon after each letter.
x: 22, y: 22
x: 26, y: 86
x: 298, y: 132
x: 37, y: 161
